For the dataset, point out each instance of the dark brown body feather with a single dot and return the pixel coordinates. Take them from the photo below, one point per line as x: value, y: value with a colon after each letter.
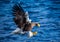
x: 27, y: 27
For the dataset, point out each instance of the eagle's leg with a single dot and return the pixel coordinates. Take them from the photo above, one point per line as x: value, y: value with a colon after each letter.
x: 32, y: 33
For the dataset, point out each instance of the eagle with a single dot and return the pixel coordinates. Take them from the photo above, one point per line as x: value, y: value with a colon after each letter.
x: 21, y: 19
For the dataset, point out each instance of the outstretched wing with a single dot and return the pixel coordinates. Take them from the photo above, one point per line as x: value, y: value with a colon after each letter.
x: 19, y: 15
x: 18, y: 10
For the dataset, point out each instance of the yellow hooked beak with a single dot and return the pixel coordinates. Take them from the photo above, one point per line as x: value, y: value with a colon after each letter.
x: 38, y: 25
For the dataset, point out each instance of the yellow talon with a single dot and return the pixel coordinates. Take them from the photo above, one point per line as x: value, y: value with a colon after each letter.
x: 34, y: 33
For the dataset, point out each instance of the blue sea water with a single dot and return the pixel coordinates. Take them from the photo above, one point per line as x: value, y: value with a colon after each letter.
x: 46, y: 12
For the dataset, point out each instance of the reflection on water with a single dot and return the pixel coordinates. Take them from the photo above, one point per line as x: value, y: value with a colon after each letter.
x: 47, y: 12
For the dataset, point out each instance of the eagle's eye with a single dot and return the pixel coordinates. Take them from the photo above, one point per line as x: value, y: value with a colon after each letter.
x: 38, y: 24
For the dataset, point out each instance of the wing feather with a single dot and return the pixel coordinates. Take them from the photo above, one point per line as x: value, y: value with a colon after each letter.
x: 20, y: 17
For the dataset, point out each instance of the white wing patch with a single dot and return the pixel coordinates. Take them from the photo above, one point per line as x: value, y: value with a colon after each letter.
x: 17, y: 30
x: 27, y: 17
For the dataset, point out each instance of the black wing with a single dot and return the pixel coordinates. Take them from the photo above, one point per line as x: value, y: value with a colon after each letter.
x: 18, y: 10
x: 19, y: 15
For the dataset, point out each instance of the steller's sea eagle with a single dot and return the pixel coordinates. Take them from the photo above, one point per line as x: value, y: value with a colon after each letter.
x: 24, y: 24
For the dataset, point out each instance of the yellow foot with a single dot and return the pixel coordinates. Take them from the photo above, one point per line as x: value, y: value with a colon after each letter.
x: 34, y: 33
